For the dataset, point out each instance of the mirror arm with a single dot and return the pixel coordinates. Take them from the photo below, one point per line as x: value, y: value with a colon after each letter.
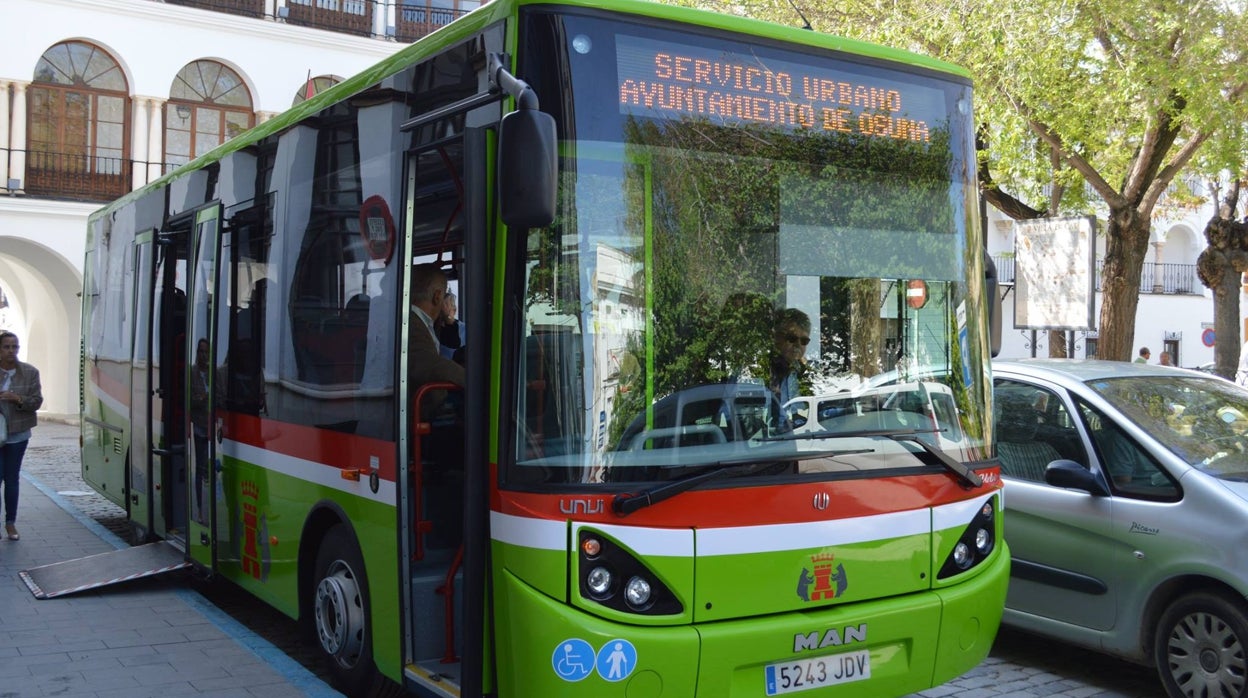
x: 500, y: 79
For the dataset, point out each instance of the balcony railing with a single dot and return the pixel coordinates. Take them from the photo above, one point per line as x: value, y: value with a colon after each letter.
x: 412, y: 18
x: 1174, y: 278
x: 413, y: 22
x: 72, y: 176
x: 245, y: 8
x: 346, y: 16
x: 76, y: 176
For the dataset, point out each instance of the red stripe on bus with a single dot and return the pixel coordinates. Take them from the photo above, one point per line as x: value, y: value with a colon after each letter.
x: 109, y: 384
x: 334, y: 449
x: 778, y: 504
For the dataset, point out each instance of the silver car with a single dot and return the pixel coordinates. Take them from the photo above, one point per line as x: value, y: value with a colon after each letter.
x: 1127, y: 514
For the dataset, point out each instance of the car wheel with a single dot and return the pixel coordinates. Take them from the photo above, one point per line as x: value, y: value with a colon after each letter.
x: 340, y: 612
x: 1200, y: 647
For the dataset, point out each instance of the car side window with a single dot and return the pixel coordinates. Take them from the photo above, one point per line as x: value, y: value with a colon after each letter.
x: 1131, y: 471
x: 1034, y: 428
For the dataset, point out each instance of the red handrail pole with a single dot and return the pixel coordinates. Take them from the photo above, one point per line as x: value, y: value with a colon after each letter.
x: 421, y: 428
x: 448, y: 590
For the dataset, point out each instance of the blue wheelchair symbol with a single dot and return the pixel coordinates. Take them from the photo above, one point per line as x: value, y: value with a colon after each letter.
x: 616, y: 660
x: 573, y: 659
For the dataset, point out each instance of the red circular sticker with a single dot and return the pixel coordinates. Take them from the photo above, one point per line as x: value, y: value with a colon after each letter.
x: 916, y: 293
x: 377, y: 228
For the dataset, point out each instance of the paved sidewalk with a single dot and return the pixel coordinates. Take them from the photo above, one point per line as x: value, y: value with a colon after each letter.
x: 152, y: 637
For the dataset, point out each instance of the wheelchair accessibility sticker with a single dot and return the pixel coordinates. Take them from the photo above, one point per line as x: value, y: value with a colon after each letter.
x: 574, y: 659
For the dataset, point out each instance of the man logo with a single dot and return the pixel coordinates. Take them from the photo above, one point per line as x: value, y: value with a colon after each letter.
x: 831, y: 638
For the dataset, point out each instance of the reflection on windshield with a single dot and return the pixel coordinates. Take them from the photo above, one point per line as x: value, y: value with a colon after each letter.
x: 1204, y: 421
x: 711, y: 284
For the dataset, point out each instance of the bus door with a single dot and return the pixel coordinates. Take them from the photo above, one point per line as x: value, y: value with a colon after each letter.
x: 159, y: 461
x: 144, y: 387
x: 202, y: 427
x: 432, y: 504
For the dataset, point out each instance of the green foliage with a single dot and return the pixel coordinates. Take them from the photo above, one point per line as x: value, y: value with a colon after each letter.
x: 1099, y: 77
x: 722, y: 210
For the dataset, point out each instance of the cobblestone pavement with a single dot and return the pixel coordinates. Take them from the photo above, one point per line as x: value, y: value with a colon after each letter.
x: 1019, y: 666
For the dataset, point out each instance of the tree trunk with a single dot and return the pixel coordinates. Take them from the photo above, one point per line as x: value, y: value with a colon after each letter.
x: 1226, y: 324
x: 1126, y: 244
x: 865, y: 327
x: 1219, y: 268
x: 1057, y: 344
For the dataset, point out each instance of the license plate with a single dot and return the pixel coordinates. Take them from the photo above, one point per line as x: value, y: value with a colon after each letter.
x: 804, y: 674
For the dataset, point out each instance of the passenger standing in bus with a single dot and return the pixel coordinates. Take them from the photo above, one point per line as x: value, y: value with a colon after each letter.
x: 425, y: 361
x: 440, y: 452
x: 450, y: 329
x: 21, y: 394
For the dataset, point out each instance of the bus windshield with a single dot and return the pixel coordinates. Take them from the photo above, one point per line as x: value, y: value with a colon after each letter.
x: 759, y: 254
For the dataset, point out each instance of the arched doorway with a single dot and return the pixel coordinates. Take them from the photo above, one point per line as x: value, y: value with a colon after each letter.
x: 42, y: 305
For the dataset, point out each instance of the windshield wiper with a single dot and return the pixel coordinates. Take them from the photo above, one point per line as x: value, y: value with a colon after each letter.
x: 814, y: 435
x: 953, y: 465
x: 963, y: 471
x: 626, y: 503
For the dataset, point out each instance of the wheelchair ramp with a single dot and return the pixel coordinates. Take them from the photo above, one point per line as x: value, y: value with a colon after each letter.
x: 94, y: 571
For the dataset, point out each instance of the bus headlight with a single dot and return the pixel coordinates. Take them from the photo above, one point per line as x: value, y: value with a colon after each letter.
x: 975, y: 544
x: 962, y: 555
x: 598, y: 581
x: 637, y: 592
x: 983, y: 541
x: 613, y: 577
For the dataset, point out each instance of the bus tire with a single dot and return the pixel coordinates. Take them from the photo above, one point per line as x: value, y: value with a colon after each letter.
x: 340, y: 608
x: 1201, y: 646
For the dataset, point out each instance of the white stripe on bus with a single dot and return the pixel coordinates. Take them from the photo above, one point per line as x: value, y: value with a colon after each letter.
x: 542, y: 534
x: 735, y: 540
x: 549, y: 534
x: 958, y: 514
x: 309, y: 471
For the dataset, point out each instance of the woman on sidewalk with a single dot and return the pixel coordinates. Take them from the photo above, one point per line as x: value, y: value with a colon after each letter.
x: 20, y: 395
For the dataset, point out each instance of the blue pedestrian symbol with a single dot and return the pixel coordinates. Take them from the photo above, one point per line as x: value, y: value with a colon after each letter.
x: 573, y: 659
x: 616, y: 660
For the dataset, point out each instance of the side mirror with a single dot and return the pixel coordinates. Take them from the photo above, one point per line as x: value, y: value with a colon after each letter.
x: 528, y: 168
x: 994, y: 304
x: 1071, y: 475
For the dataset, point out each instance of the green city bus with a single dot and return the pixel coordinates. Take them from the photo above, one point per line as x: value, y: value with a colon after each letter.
x: 719, y: 420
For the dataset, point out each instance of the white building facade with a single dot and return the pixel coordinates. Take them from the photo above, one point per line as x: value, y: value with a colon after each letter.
x: 98, y: 97
x: 1175, y: 312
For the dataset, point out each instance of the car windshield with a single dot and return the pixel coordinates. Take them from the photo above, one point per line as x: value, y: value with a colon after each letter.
x: 1204, y: 421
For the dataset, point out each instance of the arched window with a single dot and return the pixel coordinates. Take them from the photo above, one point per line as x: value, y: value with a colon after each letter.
x: 78, y: 116
x: 314, y: 86
x: 208, y: 105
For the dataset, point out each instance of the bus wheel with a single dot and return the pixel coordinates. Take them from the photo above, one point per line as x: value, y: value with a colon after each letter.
x: 1200, y: 647
x: 340, y: 612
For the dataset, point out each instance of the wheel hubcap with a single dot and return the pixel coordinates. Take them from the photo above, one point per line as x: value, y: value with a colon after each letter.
x: 1205, y: 657
x: 340, y: 615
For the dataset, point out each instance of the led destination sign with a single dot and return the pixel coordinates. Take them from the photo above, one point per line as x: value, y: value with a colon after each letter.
x: 661, y: 79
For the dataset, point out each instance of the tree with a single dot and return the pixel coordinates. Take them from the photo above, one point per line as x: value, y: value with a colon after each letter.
x: 1123, y: 92
x: 1220, y: 267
